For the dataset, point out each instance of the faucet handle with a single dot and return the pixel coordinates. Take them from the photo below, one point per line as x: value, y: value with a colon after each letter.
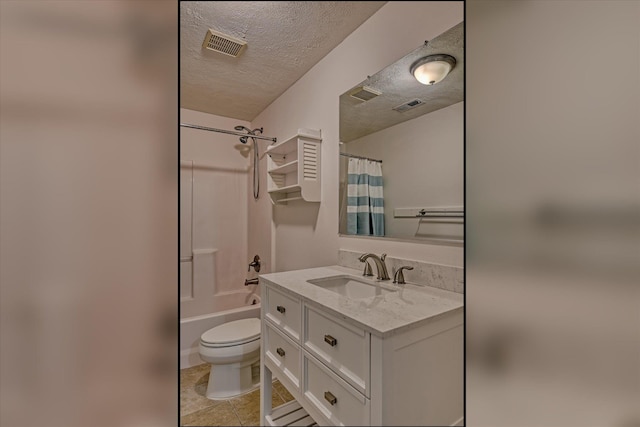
x: 399, y: 276
x: 255, y: 264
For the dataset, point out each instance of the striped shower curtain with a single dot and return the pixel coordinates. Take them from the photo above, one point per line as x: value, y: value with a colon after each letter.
x: 365, y: 202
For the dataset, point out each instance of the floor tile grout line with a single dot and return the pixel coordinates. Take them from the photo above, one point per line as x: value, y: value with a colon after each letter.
x: 247, y: 395
x: 233, y: 408
x: 211, y: 405
x: 192, y: 383
x: 200, y: 410
x: 277, y: 392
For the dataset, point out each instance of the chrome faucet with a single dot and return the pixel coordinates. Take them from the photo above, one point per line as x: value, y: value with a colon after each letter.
x: 380, y: 265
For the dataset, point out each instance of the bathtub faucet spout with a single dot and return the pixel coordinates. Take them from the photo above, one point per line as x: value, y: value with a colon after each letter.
x: 251, y: 281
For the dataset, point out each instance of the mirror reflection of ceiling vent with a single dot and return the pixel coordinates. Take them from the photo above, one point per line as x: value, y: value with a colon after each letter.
x: 408, y: 105
x: 223, y: 43
x: 364, y: 93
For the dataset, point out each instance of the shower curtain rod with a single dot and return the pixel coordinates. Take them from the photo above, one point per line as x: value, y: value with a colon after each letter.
x: 360, y: 157
x: 230, y: 132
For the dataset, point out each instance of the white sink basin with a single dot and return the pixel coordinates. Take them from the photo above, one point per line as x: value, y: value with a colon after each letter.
x: 351, y: 287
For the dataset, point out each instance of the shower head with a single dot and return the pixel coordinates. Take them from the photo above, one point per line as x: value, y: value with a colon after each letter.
x: 243, y: 139
x: 250, y: 132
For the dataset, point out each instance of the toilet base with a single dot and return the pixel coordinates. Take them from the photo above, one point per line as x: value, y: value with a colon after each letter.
x: 234, y: 379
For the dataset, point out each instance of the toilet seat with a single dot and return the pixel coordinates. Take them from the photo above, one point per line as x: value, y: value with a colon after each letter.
x: 232, y: 334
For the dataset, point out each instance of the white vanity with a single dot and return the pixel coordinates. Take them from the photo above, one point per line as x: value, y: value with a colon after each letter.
x: 357, y: 351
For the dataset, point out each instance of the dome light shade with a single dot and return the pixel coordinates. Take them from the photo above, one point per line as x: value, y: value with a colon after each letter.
x: 433, y: 68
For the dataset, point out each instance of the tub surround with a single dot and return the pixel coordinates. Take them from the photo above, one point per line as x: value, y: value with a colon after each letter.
x: 412, y: 306
x: 440, y: 276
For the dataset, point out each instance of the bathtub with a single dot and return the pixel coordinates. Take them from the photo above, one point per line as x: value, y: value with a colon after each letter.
x: 227, y: 307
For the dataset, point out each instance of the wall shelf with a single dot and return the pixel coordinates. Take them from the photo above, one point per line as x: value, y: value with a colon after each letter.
x: 290, y: 199
x: 287, y: 189
x: 286, y: 168
x: 294, y: 168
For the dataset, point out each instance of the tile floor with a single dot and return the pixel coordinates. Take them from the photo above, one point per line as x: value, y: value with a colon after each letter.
x: 197, y: 410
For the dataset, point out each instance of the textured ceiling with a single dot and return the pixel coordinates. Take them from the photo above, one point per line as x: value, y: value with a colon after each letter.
x: 398, y: 86
x: 285, y: 39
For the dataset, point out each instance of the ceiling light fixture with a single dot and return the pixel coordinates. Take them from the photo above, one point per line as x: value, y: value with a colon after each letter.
x: 433, y: 68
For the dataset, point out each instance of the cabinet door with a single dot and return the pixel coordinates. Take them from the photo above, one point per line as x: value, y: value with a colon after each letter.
x: 342, y: 346
x: 340, y: 403
x: 282, y: 353
x: 284, y: 311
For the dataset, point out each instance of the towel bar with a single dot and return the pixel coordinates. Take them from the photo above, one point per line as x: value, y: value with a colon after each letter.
x: 449, y: 212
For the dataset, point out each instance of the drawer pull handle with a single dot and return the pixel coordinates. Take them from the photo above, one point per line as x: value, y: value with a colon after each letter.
x: 281, y: 309
x: 330, y: 340
x: 280, y: 351
x: 329, y: 397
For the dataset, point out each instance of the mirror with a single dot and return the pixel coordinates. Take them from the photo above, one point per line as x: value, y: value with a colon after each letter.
x: 402, y: 150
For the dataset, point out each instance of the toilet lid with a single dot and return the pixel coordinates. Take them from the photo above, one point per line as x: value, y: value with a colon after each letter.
x: 236, y: 332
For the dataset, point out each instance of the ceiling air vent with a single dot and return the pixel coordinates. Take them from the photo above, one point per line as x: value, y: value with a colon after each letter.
x: 223, y: 43
x: 364, y: 93
x: 408, y: 105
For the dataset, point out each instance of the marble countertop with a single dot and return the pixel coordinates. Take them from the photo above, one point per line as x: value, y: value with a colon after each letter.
x: 411, y: 306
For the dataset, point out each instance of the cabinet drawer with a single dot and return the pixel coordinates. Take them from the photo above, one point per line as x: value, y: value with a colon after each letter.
x: 283, y: 353
x: 340, y: 403
x: 284, y: 311
x: 342, y: 346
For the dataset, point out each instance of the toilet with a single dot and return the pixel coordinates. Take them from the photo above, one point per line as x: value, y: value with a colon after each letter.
x: 232, y: 349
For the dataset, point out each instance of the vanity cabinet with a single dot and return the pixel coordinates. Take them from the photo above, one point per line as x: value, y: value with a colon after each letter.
x: 294, y: 168
x: 342, y: 373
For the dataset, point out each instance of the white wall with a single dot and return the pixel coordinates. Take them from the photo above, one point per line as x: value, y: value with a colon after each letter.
x: 218, y: 225
x: 422, y: 166
x: 306, y: 234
